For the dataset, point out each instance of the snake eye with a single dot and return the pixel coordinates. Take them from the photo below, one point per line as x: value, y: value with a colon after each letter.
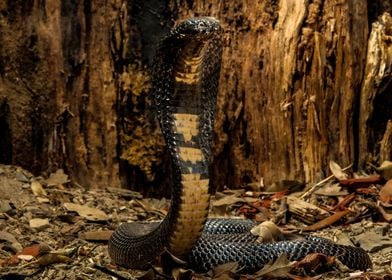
x: 201, y: 25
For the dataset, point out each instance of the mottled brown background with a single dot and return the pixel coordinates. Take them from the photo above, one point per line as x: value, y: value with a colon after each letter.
x: 302, y: 83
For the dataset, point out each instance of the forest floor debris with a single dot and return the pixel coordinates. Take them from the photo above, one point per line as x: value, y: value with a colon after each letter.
x: 53, y: 228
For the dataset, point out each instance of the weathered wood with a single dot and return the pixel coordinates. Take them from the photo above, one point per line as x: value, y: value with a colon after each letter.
x: 375, y: 117
x: 302, y: 83
x: 57, y: 76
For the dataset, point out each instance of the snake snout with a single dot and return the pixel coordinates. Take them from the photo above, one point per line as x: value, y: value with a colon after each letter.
x: 198, y: 27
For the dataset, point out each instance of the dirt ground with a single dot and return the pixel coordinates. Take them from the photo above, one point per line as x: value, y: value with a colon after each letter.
x: 53, y: 228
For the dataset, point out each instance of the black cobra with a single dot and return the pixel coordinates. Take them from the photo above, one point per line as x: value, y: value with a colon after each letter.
x: 185, y: 83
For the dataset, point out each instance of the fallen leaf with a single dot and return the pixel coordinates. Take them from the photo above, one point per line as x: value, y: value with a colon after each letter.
x: 125, y: 193
x: 225, y: 271
x: 57, y: 178
x: 337, y: 170
x: 372, y: 241
x: 91, y: 214
x: 385, y: 170
x: 223, y: 205
x: 6, y: 236
x: 315, y: 263
x: 386, y: 192
x: 37, y: 189
x: 169, y: 262
x: 286, y: 186
x: 331, y: 190
x: 267, y: 232
x: 34, y: 251
x: 279, y: 268
x: 50, y: 258
x: 181, y: 274
x: 227, y: 200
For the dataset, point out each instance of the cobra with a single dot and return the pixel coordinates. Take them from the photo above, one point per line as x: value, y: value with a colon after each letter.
x: 185, y: 78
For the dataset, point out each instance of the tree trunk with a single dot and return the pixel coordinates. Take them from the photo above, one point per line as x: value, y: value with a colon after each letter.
x: 302, y: 83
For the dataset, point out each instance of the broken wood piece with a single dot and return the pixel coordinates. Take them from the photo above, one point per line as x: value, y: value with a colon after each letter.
x: 96, y: 235
x: 327, y: 221
x: 305, y: 211
x: 361, y: 182
x: 344, y: 202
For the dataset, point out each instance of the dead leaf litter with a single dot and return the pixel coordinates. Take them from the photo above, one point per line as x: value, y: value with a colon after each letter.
x: 53, y: 228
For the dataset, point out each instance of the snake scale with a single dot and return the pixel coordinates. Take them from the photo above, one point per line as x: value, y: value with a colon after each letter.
x: 185, y: 78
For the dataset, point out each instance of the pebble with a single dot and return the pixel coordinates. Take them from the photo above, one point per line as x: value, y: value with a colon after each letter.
x: 39, y: 224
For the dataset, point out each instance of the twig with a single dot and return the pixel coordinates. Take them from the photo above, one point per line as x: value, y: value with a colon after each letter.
x: 322, y: 182
x: 110, y: 272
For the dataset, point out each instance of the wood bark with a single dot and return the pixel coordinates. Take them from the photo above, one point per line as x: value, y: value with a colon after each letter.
x: 302, y: 83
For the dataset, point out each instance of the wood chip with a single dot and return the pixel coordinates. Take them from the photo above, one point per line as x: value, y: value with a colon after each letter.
x: 91, y: 214
x: 305, y: 211
x: 39, y: 224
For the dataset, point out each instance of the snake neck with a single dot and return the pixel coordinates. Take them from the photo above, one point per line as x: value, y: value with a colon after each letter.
x: 184, y: 132
x: 185, y: 83
x: 185, y: 77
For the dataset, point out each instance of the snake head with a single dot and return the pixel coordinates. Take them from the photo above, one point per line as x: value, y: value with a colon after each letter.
x: 197, y: 28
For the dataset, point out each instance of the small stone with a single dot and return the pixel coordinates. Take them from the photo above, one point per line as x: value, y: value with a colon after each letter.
x: 373, y: 242
x: 4, y: 206
x: 39, y: 224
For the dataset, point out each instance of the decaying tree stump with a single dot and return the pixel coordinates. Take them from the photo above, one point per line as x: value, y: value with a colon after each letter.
x: 302, y: 83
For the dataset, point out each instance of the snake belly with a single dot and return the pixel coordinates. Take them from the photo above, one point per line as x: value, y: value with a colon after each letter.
x: 185, y: 77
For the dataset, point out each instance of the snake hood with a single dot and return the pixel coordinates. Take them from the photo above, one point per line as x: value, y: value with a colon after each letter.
x: 185, y: 81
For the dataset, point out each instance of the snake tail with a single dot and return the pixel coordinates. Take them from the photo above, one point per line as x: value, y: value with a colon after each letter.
x: 185, y: 79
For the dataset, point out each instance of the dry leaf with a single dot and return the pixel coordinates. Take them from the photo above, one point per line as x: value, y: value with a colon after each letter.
x: 331, y: 190
x: 385, y: 170
x: 6, y: 236
x: 225, y: 271
x: 182, y: 274
x: 91, y: 214
x: 227, y: 200
x: 34, y: 251
x: 37, y: 189
x: 223, y: 205
x: 279, y: 268
x: 315, y: 262
x: 372, y: 241
x: 51, y: 258
x: 170, y: 263
x: 386, y: 192
x: 57, y: 178
x: 285, y: 186
x: 337, y: 170
x: 267, y: 232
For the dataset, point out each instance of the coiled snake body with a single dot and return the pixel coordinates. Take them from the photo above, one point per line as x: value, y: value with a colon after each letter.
x: 185, y: 83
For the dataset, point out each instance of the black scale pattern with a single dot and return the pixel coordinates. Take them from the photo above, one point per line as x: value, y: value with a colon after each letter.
x: 228, y: 240
x: 222, y: 240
